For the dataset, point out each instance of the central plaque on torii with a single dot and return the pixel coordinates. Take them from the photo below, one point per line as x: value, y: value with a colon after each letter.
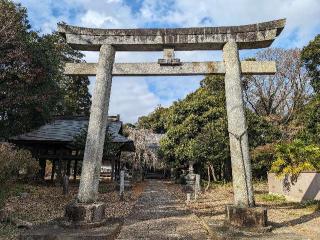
x: 229, y: 39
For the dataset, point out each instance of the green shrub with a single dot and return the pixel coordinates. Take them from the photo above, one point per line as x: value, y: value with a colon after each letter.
x: 14, y: 162
x: 273, y: 198
x: 295, y: 157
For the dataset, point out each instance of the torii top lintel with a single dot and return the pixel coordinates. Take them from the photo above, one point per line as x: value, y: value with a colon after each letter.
x: 251, y: 36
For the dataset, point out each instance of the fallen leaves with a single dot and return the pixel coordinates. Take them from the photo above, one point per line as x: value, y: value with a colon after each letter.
x: 43, y: 203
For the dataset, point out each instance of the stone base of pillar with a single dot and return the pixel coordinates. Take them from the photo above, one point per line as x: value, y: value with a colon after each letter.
x: 85, y: 215
x: 246, y: 217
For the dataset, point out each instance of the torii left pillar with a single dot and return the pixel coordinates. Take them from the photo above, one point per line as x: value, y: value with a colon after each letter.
x: 86, y: 210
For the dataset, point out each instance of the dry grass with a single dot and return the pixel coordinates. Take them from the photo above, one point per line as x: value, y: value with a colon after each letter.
x: 284, y: 216
x: 42, y: 203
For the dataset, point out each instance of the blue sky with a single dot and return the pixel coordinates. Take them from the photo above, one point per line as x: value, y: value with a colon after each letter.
x: 133, y: 97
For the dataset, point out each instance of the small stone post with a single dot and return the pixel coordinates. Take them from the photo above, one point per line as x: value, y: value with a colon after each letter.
x: 237, y: 127
x: 188, y: 197
x: 91, y: 166
x: 191, y: 170
x: 121, y: 184
x: 197, y: 186
x: 65, y: 186
x: 172, y: 174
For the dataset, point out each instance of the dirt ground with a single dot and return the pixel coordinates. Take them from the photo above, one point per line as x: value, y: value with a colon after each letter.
x: 284, y: 217
x: 40, y: 203
x: 37, y: 203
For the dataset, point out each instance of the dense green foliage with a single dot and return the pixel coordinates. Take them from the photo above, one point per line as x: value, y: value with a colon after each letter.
x: 196, y: 129
x: 294, y: 157
x: 311, y: 58
x: 76, y: 97
x: 195, y: 123
x: 154, y: 121
x: 309, y: 121
x: 283, y: 116
x: 33, y: 87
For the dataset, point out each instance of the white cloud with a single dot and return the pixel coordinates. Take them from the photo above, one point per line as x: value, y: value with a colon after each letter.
x: 107, y: 14
x: 170, y: 89
x: 302, y: 15
x: 96, y: 19
x: 131, y: 98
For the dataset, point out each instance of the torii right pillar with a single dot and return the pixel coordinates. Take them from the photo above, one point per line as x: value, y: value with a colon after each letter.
x: 243, y: 213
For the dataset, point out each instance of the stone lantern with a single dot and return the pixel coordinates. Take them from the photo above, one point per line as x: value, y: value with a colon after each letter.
x: 190, y: 177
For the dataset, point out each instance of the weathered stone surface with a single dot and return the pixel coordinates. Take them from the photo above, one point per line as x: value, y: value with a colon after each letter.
x: 237, y: 127
x: 191, y: 177
x: 79, y: 213
x: 258, y: 35
x: 91, y: 167
x: 186, y: 68
x: 173, y: 174
x: 169, y: 58
x: 252, y: 217
x: 230, y: 39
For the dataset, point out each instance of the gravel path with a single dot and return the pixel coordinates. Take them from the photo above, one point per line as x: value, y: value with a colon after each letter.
x: 159, y: 215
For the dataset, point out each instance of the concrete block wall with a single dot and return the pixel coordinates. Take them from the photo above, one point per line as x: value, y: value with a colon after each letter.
x: 307, y: 186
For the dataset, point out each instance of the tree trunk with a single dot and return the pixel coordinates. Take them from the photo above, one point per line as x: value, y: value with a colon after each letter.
x: 228, y: 170
x: 222, y: 172
x: 213, y: 173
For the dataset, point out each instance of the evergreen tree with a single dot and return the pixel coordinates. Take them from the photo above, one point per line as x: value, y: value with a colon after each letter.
x: 27, y: 91
x: 155, y: 121
x: 311, y: 58
x: 196, y: 129
x: 33, y: 87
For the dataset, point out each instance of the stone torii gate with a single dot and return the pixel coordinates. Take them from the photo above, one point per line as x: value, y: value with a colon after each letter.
x: 228, y: 39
